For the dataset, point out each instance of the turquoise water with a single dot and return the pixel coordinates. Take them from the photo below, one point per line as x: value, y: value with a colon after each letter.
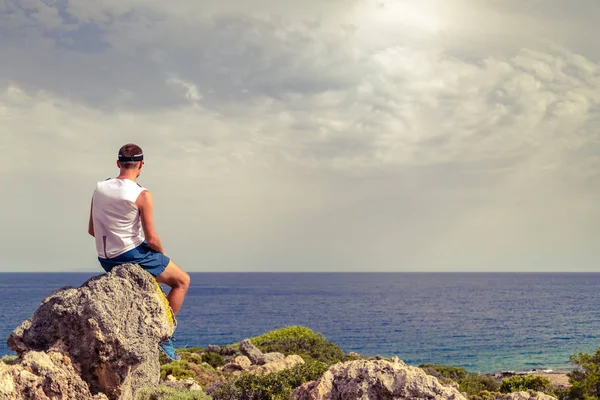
x: 483, y: 322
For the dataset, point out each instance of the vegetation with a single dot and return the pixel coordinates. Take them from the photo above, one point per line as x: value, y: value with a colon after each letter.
x: 585, y: 380
x: 213, y: 359
x: 475, y: 385
x: 191, y: 365
x: 273, y: 386
x: 525, y: 383
x: 10, y: 360
x: 164, y: 392
x: 301, y: 341
x: 445, y: 373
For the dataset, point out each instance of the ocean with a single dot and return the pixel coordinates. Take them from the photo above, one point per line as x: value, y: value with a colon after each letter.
x: 482, y: 322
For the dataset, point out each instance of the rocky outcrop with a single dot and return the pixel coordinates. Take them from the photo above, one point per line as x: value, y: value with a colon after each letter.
x: 109, y: 328
x: 373, y: 380
x: 524, y: 396
x: 43, y: 376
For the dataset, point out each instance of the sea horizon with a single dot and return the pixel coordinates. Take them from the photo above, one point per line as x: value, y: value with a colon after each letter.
x: 517, y: 321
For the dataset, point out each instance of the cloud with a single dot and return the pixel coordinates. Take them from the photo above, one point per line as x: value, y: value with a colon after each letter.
x: 327, y: 139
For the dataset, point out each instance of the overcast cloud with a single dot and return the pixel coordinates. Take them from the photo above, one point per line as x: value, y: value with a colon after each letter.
x: 340, y: 135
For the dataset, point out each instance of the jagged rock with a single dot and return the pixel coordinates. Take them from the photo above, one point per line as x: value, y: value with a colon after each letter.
x: 252, y: 352
x: 43, y: 376
x: 354, y: 355
x: 372, y: 380
x: 109, y: 327
x: 524, y: 396
x: 272, y: 357
x: 276, y: 366
x: 213, y: 348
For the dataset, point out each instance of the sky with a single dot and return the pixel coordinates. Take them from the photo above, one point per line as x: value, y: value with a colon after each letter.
x: 322, y: 135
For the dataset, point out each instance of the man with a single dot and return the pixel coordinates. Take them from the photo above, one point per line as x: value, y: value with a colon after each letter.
x: 121, y: 210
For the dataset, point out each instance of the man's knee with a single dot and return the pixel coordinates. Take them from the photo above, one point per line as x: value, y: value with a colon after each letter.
x: 184, y: 281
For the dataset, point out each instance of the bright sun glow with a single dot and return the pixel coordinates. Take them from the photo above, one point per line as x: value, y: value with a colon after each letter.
x: 397, y: 13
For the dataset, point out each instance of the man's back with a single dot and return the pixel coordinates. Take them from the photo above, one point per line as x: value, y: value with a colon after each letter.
x: 117, y: 224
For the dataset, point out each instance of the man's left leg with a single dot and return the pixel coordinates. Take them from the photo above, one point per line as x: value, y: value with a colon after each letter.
x: 179, y: 281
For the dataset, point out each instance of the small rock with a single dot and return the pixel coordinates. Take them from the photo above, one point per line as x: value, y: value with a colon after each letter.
x: 354, y: 355
x: 277, y: 366
x: 171, y: 378
x: 213, y: 348
x: 252, y: 352
x: 228, y: 351
x: 272, y: 357
x: 243, y: 362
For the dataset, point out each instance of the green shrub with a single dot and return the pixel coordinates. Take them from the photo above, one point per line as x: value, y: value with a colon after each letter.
x: 213, y: 359
x: 476, y: 384
x: 179, y: 369
x: 10, y: 360
x: 526, y: 382
x: 302, y: 341
x: 274, y: 386
x: 585, y: 381
x: 167, y: 393
x: 444, y: 372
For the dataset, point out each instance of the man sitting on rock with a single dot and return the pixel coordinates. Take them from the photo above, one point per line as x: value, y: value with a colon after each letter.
x: 121, y: 209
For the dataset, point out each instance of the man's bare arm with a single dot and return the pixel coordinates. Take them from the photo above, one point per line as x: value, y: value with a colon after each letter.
x: 91, y: 223
x: 146, y: 208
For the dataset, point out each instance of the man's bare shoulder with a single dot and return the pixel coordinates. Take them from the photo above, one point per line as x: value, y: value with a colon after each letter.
x: 144, y: 198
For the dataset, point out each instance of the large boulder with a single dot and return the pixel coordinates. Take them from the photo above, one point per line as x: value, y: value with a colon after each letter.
x: 375, y: 380
x: 43, y: 376
x: 109, y: 327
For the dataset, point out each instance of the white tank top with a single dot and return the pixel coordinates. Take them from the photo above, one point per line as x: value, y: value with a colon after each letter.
x: 117, y: 223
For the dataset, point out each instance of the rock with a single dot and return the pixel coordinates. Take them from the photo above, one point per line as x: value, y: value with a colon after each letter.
x: 239, y: 363
x: 524, y: 396
x: 229, y: 351
x: 354, y: 355
x: 252, y: 352
x: 109, y: 327
x: 188, y: 384
x: 372, y: 380
x: 43, y: 376
x: 276, y: 366
x: 272, y: 357
x: 243, y: 362
x: 213, y: 348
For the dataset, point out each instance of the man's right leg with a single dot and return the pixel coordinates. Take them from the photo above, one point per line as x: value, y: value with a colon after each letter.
x: 179, y: 281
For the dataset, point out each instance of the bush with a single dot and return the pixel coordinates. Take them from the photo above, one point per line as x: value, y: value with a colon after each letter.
x: 274, y: 386
x: 179, y: 369
x: 10, y: 360
x: 526, y: 382
x: 213, y: 359
x: 444, y: 372
x: 476, y: 384
x: 302, y: 341
x: 585, y: 381
x: 168, y: 393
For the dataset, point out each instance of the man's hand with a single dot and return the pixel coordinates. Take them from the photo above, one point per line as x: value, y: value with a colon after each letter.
x: 145, y: 206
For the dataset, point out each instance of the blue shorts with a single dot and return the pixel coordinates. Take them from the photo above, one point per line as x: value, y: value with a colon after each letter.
x: 151, y: 260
